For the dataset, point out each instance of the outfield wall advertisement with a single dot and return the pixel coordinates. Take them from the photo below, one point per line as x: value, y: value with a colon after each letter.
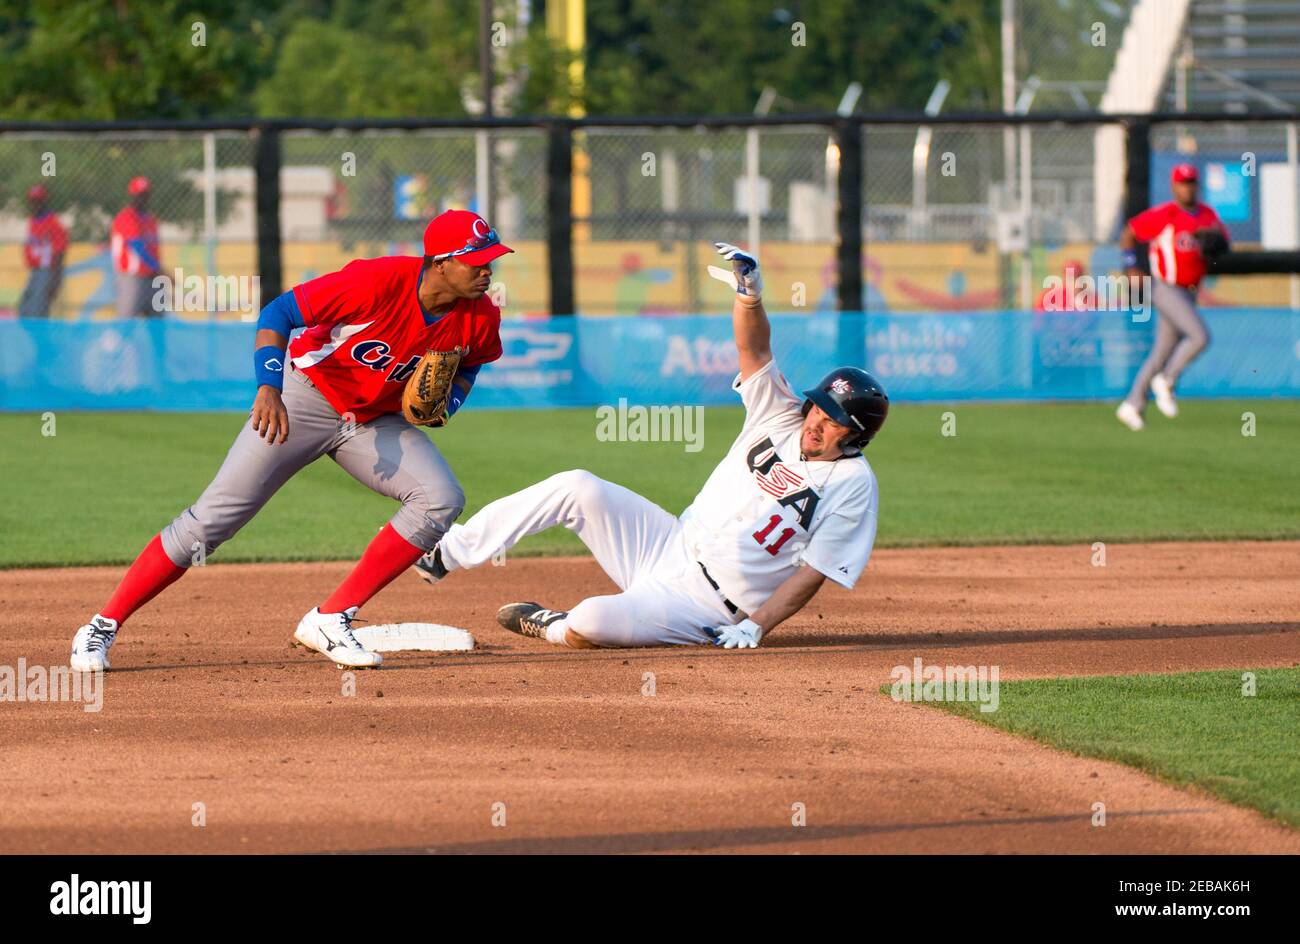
x: 1003, y: 355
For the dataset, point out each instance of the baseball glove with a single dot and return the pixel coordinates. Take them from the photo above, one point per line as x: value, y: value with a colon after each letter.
x: 1213, y: 243
x: 424, y: 400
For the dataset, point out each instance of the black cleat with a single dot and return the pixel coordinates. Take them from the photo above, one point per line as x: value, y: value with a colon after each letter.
x: 430, y: 567
x: 528, y: 619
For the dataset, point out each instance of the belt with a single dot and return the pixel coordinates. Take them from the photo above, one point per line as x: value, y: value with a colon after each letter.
x: 731, y: 607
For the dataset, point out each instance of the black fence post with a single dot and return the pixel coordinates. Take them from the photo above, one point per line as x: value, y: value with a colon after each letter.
x: 1137, y: 172
x: 559, y: 216
x: 848, y: 137
x: 267, y: 172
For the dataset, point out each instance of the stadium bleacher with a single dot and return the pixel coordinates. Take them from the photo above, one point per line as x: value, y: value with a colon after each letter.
x: 1244, y: 55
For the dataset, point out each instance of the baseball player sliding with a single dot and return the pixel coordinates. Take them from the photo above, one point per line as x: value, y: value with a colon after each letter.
x: 389, y: 344
x: 793, y: 503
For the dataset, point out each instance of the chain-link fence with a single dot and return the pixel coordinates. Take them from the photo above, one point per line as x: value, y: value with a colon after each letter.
x: 349, y: 194
x: 1066, y: 49
x: 66, y: 197
x: 958, y: 193
x: 653, y: 200
x: 955, y: 215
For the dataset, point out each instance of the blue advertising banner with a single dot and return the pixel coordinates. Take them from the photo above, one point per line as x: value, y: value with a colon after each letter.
x: 558, y: 362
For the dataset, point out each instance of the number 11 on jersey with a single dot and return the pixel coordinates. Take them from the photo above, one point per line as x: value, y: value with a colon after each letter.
x: 762, y: 536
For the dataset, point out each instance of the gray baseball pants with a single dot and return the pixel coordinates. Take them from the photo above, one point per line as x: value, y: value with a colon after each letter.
x: 386, y: 454
x: 1180, y: 336
x: 38, y: 295
x: 135, y: 296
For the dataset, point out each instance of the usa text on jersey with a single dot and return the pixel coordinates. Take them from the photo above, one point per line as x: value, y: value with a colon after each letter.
x: 776, y: 478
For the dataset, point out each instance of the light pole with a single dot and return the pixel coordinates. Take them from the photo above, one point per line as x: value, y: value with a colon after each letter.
x: 482, y: 138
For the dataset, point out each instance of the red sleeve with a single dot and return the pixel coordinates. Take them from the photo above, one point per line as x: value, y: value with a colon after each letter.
x: 1148, y: 223
x: 120, y: 227
x: 342, y: 296
x: 486, y: 347
x: 60, y: 237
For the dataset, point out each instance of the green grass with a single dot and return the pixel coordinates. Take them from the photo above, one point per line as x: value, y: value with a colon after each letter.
x: 1194, y: 728
x: 1031, y: 473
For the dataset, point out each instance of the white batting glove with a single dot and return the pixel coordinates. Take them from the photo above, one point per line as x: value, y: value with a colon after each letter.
x: 744, y: 276
x: 744, y: 635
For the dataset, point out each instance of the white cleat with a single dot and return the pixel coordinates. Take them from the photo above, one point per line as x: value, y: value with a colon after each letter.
x: 90, y: 645
x: 1164, y: 392
x: 330, y: 634
x: 1130, y: 417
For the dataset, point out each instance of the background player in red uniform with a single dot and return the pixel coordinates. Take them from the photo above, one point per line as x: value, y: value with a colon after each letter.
x: 133, y: 244
x: 47, y: 242
x: 367, y: 326
x: 1177, y: 267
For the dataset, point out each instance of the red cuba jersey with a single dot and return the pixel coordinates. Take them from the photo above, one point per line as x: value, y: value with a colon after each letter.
x: 133, y: 241
x: 46, y: 238
x: 1175, y: 253
x: 366, y: 331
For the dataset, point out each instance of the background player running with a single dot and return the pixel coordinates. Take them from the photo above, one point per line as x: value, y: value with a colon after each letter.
x: 1181, y: 233
x: 791, y: 504
x: 367, y: 327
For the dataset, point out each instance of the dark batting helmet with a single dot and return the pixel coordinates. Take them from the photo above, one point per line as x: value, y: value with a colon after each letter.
x: 853, y: 398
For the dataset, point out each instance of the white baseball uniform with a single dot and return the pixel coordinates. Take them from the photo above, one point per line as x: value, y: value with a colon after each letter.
x: 762, y: 513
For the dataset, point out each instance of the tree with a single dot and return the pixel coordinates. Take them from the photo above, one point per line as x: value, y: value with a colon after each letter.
x: 678, y: 57
x: 380, y: 60
x: 92, y: 59
x: 83, y: 60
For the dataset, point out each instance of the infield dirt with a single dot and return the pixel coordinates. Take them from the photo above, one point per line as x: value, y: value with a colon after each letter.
x: 207, y: 704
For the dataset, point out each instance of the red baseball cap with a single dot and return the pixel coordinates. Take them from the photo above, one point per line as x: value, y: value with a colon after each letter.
x: 1184, y: 173
x: 465, y: 235
x: 37, y: 192
x: 138, y: 185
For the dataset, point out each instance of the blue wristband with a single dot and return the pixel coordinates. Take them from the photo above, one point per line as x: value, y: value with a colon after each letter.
x: 456, y: 399
x: 1130, y: 258
x: 268, y: 365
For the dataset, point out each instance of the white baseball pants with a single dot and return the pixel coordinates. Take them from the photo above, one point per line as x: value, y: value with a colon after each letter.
x: 666, y: 599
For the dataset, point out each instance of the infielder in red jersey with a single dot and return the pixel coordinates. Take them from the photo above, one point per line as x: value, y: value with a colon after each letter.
x: 366, y: 328
x: 1178, y: 232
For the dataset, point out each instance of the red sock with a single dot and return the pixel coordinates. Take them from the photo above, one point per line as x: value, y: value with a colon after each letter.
x: 151, y: 574
x: 387, y: 556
